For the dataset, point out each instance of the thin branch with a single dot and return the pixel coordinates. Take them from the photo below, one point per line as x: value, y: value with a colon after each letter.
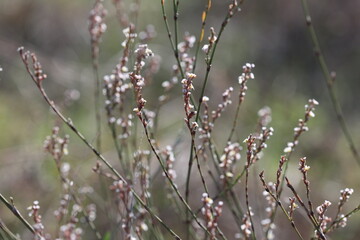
x: 233, y: 7
x: 170, y: 180
x: 97, y: 27
x: 250, y: 142
x: 137, y: 81
x: 277, y: 200
x: 7, y: 231
x: 173, y: 46
x: 308, y: 211
x: 333, y: 224
x: 38, y: 81
x: 202, y: 32
x: 329, y: 78
x: 291, y: 146
x: 16, y: 212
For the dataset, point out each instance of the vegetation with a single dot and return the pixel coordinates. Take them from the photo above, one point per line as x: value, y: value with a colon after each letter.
x: 180, y: 158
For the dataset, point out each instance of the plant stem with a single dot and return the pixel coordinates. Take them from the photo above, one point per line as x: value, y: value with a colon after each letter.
x: 97, y: 104
x: 307, y: 210
x: 202, y: 32
x: 234, y: 121
x: 329, y: 79
x: 333, y: 224
x: 278, y: 203
x: 176, y: 39
x: 173, y: 46
x: 199, y: 167
x: 181, y: 198
x: 70, y: 124
x: 7, y: 231
x: 16, y: 212
x: 247, y: 201
x: 223, y: 25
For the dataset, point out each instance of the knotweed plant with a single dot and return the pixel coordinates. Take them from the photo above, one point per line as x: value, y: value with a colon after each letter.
x: 213, y: 201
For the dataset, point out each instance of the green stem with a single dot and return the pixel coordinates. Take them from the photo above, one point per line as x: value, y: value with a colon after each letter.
x: 278, y: 203
x: 337, y: 221
x: 223, y: 25
x: 7, y: 231
x: 247, y: 201
x: 16, y: 212
x: 181, y: 198
x: 235, y: 121
x: 176, y: 39
x: 201, y: 35
x: 173, y: 46
x: 329, y: 79
x: 199, y: 167
x: 231, y: 208
x: 97, y: 104
x: 70, y: 124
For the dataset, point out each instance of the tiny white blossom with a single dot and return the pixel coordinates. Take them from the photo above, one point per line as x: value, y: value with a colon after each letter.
x: 205, y: 99
x: 287, y: 149
x: 205, y: 48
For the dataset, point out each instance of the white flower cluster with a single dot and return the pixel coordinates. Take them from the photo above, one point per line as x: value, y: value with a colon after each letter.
x: 169, y: 161
x: 247, y: 73
x: 302, y: 127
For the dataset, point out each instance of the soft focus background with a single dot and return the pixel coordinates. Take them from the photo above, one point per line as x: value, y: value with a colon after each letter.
x: 271, y: 34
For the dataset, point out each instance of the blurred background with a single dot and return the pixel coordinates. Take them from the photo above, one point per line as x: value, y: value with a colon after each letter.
x: 271, y: 34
